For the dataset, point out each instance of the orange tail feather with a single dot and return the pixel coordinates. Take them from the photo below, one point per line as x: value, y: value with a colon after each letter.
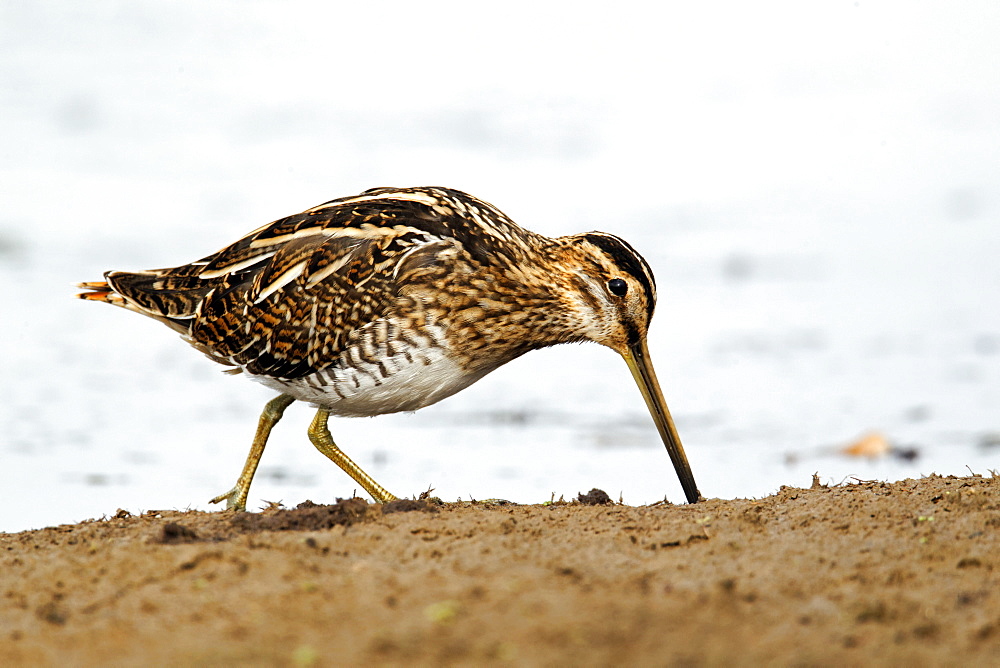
x: 100, y: 292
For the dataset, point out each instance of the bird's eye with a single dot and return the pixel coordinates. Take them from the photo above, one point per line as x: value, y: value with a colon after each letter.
x: 618, y: 287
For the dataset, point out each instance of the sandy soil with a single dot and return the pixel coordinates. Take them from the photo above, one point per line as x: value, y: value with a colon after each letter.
x: 903, y: 573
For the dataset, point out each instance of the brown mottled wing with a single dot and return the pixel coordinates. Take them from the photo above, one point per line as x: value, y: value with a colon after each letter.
x: 283, y: 300
x: 304, y: 325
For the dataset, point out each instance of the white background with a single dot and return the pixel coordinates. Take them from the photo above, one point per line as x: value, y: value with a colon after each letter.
x: 815, y: 184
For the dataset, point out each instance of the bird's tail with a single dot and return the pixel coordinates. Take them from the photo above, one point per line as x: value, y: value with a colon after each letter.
x: 100, y: 291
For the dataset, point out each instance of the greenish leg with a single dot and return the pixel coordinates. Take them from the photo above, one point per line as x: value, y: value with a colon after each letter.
x: 236, y: 498
x: 319, y: 434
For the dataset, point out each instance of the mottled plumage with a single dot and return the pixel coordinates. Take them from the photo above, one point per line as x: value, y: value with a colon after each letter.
x: 395, y: 299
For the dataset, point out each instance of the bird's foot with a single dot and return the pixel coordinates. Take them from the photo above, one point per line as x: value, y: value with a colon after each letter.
x: 235, y: 499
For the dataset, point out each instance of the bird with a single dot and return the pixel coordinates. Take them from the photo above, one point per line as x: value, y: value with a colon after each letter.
x: 392, y: 300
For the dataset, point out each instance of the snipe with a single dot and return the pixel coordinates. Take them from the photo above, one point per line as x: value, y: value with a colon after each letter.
x: 392, y: 300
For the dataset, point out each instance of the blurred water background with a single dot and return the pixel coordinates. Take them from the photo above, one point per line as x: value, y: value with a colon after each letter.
x: 815, y: 184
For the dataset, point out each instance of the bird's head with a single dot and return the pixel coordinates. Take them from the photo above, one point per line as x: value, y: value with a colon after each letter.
x: 614, y: 290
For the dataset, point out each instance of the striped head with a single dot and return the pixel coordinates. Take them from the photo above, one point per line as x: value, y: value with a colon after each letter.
x: 615, y: 291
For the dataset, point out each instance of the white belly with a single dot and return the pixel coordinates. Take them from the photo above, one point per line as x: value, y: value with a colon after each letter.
x: 408, y: 382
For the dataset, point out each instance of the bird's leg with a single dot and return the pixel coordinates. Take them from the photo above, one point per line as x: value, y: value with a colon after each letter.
x: 236, y: 498
x: 320, y: 437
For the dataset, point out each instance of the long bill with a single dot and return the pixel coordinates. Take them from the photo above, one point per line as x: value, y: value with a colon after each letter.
x: 637, y: 358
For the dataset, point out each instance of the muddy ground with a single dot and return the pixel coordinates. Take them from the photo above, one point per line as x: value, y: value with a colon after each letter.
x: 901, y: 573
